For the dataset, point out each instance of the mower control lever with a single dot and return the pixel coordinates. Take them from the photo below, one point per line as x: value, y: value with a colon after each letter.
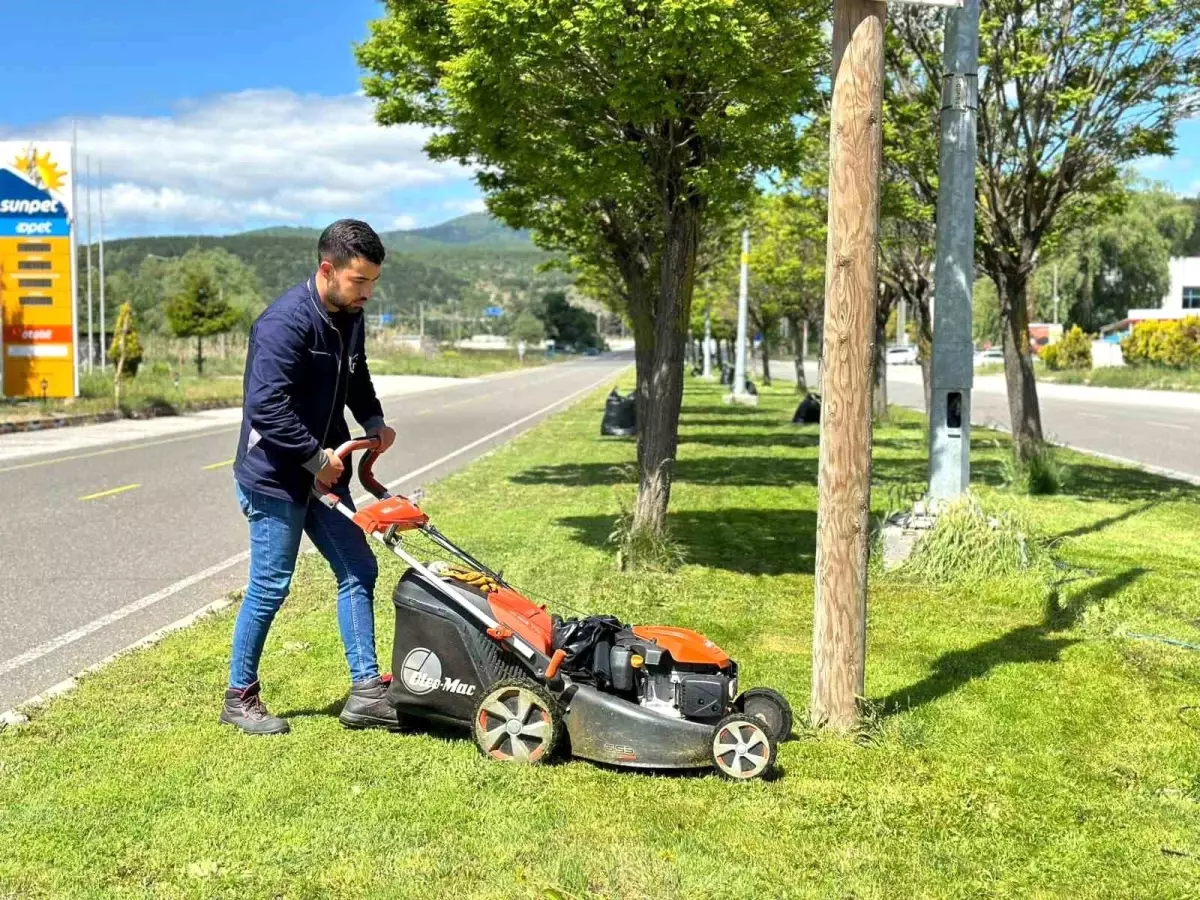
x: 365, y: 475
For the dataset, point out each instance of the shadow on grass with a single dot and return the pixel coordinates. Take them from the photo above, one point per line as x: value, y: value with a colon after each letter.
x: 749, y: 541
x: 1101, y: 524
x: 1025, y: 644
x: 727, y: 471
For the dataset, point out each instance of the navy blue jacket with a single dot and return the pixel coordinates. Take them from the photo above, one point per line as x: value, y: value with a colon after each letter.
x: 301, y: 372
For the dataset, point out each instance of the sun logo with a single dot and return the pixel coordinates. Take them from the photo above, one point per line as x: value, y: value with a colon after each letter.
x: 41, y: 170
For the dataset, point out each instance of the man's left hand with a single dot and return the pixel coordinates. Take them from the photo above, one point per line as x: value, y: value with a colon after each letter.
x: 386, y: 435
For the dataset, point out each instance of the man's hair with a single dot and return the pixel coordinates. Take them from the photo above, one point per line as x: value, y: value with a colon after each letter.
x: 348, y: 239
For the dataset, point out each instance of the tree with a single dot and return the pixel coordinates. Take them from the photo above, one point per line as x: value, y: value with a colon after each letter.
x: 611, y: 129
x: 126, y: 350
x: 198, y: 307
x: 565, y: 324
x: 1070, y: 91
x: 528, y: 328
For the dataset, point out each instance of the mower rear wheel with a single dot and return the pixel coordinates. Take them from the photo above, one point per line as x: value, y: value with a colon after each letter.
x: 517, y: 721
x: 771, y: 707
x: 742, y: 748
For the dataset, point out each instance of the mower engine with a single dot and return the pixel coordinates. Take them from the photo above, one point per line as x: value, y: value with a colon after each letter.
x: 672, y: 672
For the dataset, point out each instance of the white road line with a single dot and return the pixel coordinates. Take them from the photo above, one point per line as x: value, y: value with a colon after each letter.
x: 1171, y: 425
x: 129, y: 609
x: 1088, y: 415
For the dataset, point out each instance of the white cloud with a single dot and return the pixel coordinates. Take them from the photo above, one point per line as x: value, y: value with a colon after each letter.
x: 403, y: 223
x: 256, y: 157
x: 475, y: 205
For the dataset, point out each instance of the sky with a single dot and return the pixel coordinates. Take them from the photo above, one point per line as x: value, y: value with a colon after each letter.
x: 224, y: 115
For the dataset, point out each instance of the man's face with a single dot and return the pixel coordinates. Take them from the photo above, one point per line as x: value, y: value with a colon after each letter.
x: 350, y: 287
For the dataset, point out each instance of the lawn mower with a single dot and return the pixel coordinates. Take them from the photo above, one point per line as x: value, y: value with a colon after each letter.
x: 473, y: 652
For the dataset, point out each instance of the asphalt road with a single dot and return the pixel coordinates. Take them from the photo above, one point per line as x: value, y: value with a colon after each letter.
x: 1156, y: 429
x: 104, y: 546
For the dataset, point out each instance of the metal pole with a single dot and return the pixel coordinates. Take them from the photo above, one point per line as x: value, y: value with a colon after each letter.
x: 901, y: 334
x: 74, y: 226
x: 953, y: 373
x: 103, y: 348
x: 739, y: 363
x: 91, y: 352
x: 708, y: 340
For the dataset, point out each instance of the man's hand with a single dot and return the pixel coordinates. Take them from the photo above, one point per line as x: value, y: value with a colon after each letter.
x: 386, y: 435
x: 332, y: 470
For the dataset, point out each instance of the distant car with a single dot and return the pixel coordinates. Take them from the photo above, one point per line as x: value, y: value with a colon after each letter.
x: 989, y: 357
x: 902, y: 356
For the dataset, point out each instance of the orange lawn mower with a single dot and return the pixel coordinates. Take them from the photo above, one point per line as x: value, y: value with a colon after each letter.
x: 472, y: 652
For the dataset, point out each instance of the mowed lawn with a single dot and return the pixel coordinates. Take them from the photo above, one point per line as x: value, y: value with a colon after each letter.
x: 1018, y: 742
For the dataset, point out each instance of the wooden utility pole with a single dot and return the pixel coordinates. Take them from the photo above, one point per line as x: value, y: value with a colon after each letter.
x: 844, y: 476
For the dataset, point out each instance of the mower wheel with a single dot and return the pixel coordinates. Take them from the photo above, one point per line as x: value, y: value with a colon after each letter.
x: 517, y: 721
x: 771, y: 707
x: 742, y: 748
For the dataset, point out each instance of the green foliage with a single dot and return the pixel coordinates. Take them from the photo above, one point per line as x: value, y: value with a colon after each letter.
x: 528, y: 328
x: 125, y: 342
x: 197, y: 307
x: 565, y: 324
x: 1174, y: 344
x: 1074, y: 351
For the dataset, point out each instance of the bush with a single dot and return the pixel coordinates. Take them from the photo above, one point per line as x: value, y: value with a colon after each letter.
x: 1174, y: 344
x: 1042, y: 473
x: 970, y: 541
x: 1074, y: 351
x: 132, y: 345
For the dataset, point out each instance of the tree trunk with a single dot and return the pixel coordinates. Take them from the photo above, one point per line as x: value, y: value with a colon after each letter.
x: 798, y: 351
x: 879, y: 397
x: 851, y: 293
x: 199, y: 355
x: 766, y: 359
x: 660, y: 371
x: 924, y: 324
x: 1024, y: 413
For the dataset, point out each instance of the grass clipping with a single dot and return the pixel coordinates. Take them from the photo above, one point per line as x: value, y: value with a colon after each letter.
x: 969, y: 541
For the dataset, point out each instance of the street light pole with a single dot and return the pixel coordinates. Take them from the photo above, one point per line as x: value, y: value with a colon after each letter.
x: 953, y: 370
x: 739, y: 361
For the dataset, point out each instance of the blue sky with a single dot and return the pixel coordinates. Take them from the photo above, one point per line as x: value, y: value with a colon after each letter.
x: 218, y: 116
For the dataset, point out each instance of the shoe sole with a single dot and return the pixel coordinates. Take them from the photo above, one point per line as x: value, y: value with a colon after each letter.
x: 283, y: 730
x: 354, y: 720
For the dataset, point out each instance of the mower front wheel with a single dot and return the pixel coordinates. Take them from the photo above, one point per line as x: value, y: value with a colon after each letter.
x: 742, y: 748
x: 771, y: 708
x: 517, y: 721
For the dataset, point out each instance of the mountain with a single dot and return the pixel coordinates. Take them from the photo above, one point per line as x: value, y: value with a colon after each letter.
x: 473, y: 229
x: 465, y: 264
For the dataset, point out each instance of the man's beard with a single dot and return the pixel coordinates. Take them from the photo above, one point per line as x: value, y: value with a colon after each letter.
x: 334, y: 298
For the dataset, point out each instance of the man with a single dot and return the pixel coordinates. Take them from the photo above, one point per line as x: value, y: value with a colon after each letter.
x: 305, y: 363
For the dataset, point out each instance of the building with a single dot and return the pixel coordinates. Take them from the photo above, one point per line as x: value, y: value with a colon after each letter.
x: 1182, y: 300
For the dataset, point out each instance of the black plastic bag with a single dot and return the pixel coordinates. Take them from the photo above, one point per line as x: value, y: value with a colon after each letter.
x: 620, y: 415
x: 587, y: 643
x: 809, y: 411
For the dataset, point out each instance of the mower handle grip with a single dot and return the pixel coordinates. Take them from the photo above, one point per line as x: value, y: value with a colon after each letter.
x: 365, y: 466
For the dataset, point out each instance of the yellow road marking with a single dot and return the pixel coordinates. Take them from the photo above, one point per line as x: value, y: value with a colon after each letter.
x: 109, y: 493
x: 63, y: 459
x: 220, y: 465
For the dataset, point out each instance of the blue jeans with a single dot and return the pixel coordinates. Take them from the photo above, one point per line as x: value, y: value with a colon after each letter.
x: 276, y: 527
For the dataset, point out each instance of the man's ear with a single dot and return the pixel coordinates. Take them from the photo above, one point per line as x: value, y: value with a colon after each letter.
x: 325, y: 267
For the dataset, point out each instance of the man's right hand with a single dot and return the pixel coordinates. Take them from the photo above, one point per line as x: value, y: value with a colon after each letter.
x: 332, y: 470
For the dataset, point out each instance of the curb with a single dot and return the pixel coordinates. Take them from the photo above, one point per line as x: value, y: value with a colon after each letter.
x: 11, y: 719
x: 49, y: 422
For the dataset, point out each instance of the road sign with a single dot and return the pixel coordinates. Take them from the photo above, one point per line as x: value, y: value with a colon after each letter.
x: 494, y: 312
x: 37, y: 296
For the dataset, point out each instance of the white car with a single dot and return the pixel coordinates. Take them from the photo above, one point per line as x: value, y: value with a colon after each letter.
x: 989, y: 357
x: 902, y: 356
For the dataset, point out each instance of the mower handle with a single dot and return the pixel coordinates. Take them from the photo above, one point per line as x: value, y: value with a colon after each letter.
x: 365, y: 466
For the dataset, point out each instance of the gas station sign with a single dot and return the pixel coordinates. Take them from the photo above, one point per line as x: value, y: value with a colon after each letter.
x: 37, y: 260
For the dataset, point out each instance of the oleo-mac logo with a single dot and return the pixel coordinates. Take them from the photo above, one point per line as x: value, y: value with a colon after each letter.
x: 422, y: 673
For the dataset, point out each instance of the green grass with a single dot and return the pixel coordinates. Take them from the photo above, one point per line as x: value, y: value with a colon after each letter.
x: 1156, y: 378
x: 1016, y: 744
x: 452, y: 363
